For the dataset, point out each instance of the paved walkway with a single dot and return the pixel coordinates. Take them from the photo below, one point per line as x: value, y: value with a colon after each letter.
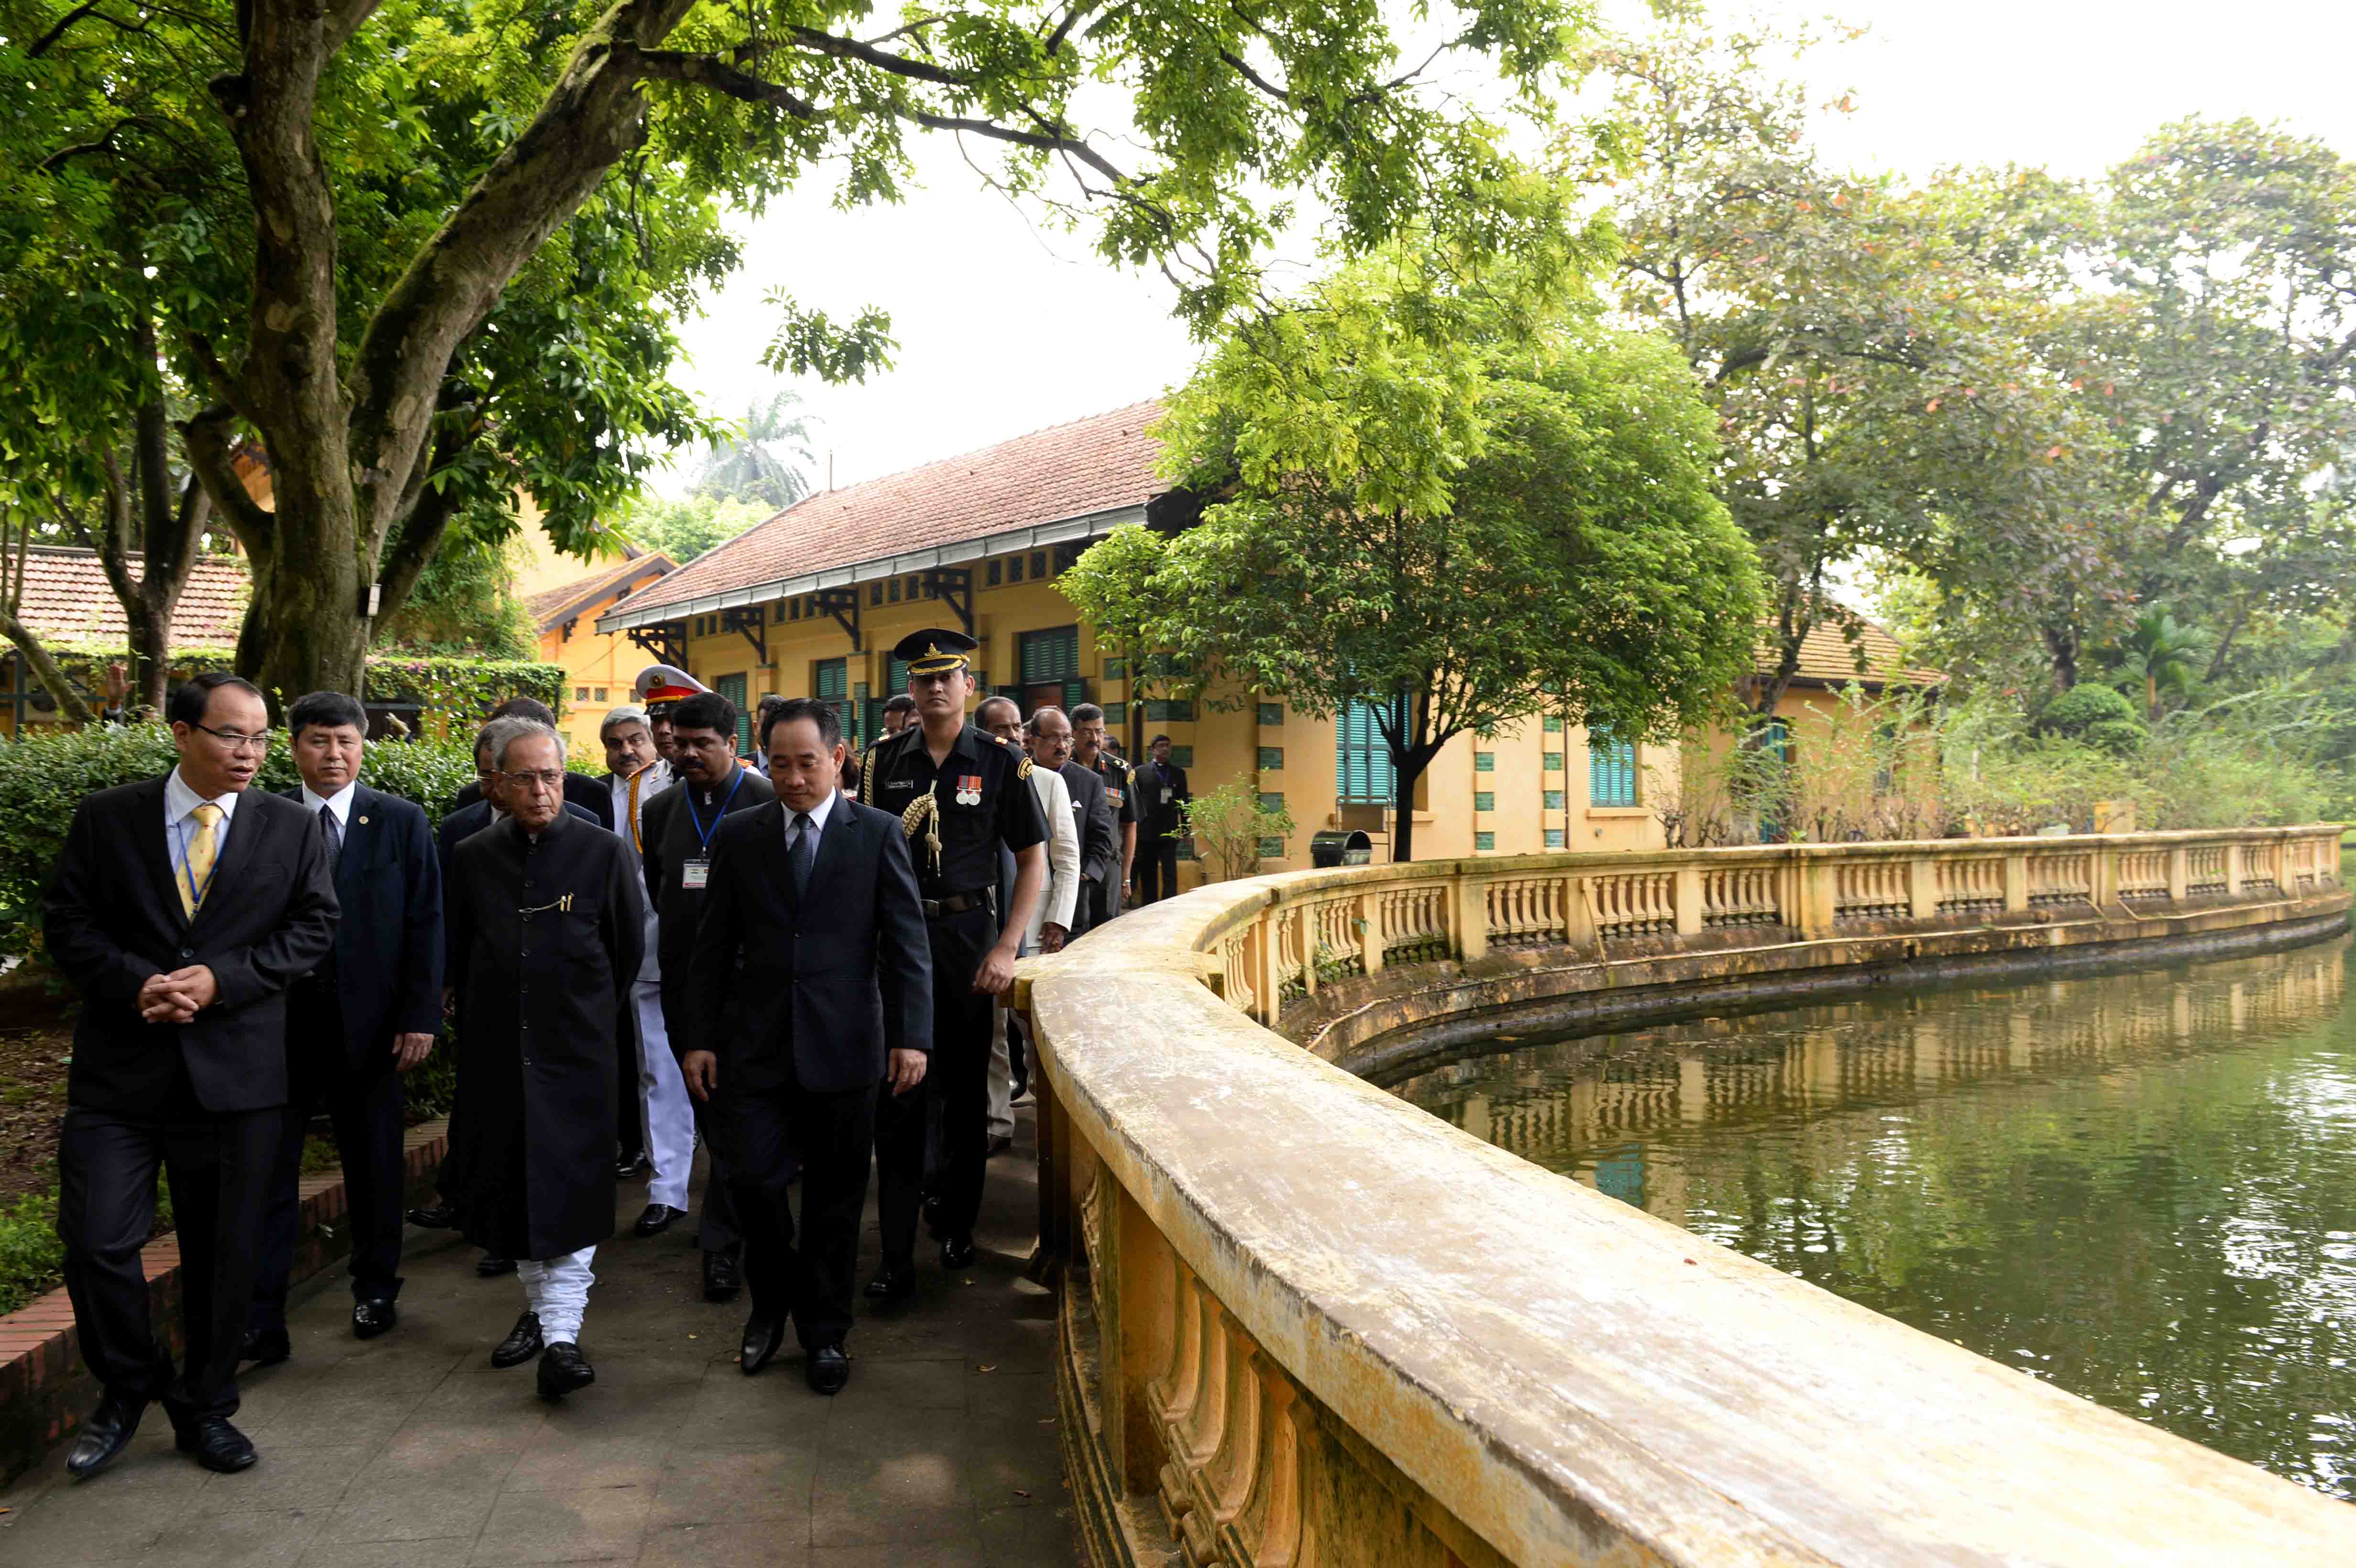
x: 411, y: 1452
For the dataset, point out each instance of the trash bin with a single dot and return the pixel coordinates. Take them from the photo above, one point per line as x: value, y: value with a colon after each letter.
x: 1341, y: 847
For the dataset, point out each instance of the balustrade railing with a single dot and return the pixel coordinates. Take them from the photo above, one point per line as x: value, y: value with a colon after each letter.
x: 1303, y: 1325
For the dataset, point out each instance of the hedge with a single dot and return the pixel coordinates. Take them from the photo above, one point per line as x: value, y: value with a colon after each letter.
x: 43, y: 777
x: 447, y: 688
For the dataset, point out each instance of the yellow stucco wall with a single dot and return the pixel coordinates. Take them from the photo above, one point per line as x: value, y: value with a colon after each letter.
x: 599, y: 671
x: 1225, y: 736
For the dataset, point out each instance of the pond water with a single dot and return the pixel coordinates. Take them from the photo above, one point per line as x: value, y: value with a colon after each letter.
x: 2140, y: 1187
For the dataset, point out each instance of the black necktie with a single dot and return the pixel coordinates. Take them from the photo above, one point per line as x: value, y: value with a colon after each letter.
x: 803, y: 852
x: 335, y: 839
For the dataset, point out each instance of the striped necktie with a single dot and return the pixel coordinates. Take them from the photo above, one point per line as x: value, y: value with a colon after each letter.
x: 197, y: 863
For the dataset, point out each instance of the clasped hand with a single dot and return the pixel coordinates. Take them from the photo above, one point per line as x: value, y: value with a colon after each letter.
x: 176, y: 998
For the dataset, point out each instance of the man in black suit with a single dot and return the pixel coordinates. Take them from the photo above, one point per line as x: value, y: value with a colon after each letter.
x: 182, y: 908
x: 810, y: 984
x: 469, y: 812
x: 580, y: 789
x: 1160, y: 793
x: 678, y: 849
x: 368, y: 1014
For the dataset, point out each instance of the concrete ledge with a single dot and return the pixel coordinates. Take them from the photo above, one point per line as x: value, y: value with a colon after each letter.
x: 1308, y: 1323
x: 45, y: 1389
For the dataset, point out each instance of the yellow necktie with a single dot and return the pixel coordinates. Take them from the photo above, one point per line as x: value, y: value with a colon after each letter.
x: 197, y: 865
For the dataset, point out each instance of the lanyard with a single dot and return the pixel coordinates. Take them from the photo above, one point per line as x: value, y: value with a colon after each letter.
x: 703, y: 834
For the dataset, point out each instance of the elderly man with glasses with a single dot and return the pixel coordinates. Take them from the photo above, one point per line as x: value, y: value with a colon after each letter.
x: 546, y: 928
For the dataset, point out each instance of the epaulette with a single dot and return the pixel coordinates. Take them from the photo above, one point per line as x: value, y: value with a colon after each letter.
x: 1023, y: 758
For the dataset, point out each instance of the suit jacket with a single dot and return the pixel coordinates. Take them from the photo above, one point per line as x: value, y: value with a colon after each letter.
x: 1161, y: 789
x: 388, y: 948
x: 463, y: 821
x: 580, y: 789
x: 1099, y: 830
x: 671, y: 839
x: 816, y: 988
x: 113, y: 918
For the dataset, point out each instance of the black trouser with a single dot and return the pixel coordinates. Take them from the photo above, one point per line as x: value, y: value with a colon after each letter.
x: 364, y: 1107
x: 765, y: 1135
x: 219, y: 1167
x: 719, y: 1228
x: 1157, y: 868
x: 941, y: 1127
x: 1102, y: 898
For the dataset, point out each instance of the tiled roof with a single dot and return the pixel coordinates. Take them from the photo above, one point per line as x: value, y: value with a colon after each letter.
x: 1826, y: 654
x: 549, y: 604
x: 67, y: 599
x: 1093, y: 464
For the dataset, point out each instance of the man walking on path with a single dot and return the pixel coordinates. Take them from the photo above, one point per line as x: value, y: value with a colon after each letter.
x: 368, y: 1014
x: 181, y: 908
x: 655, y: 1106
x: 546, y: 923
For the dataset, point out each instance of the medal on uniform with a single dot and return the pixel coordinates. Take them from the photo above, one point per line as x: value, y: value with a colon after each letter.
x: 968, y: 789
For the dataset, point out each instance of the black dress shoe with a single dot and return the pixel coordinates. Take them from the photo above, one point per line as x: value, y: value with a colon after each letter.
x: 435, y: 1216
x: 762, y: 1338
x: 373, y: 1317
x: 264, y: 1347
x: 932, y: 1216
x: 489, y: 1267
x: 629, y: 1165
x: 724, y: 1276
x: 521, y: 1344
x: 217, y: 1445
x: 563, y: 1369
x: 658, y: 1218
x: 893, y: 1283
x: 107, y: 1433
x: 827, y: 1369
x: 999, y: 1144
x: 956, y: 1252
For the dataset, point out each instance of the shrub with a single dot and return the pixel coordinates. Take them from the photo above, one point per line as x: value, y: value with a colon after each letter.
x: 2096, y: 715
x: 44, y: 777
x: 1228, y: 824
x: 32, y: 1258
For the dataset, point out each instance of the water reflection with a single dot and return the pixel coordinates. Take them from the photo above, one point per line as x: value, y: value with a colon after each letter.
x: 2141, y: 1187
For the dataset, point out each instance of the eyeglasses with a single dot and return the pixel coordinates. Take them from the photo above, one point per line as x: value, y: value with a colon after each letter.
x: 548, y: 779
x: 236, y: 742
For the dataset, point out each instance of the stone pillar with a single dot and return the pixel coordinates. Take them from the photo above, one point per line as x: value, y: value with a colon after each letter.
x: 1578, y: 920
x: 2015, y: 883
x: 1370, y: 930
x: 2233, y: 866
x: 1687, y: 892
x: 1820, y: 897
x: 2180, y: 873
x: 2104, y: 875
x: 1923, y: 886
x: 1471, y: 916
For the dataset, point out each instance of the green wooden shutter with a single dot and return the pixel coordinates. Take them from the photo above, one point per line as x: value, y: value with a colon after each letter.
x: 1611, y: 770
x: 731, y: 687
x: 1052, y: 655
x: 1362, y: 761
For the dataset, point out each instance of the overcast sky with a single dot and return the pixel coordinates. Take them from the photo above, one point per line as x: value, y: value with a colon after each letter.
x: 1004, y: 328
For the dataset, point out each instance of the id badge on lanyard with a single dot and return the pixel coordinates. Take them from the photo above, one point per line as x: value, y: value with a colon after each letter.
x: 693, y: 874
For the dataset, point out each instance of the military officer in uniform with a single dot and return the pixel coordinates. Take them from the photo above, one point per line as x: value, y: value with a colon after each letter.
x: 960, y: 795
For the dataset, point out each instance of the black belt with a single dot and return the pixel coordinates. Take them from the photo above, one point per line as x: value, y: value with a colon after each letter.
x: 958, y: 903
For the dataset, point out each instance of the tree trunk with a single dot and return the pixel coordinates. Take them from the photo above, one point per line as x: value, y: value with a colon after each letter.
x: 2061, y: 650
x: 45, y: 670
x: 1407, y: 767
x: 302, y: 630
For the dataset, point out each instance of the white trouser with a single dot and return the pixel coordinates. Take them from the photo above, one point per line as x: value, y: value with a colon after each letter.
x: 663, y: 1107
x: 558, y: 1291
x: 1002, y: 1077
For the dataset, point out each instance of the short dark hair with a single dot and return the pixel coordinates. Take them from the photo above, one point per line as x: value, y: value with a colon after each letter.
x: 899, y: 702
x: 823, y: 714
x: 526, y: 708
x: 851, y: 771
x: 1084, y: 713
x: 189, y: 699
x: 769, y: 704
x: 705, y: 711
x: 1157, y: 740
x: 326, y: 709
x: 999, y: 697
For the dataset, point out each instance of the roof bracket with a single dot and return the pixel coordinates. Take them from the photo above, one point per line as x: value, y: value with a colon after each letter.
x: 667, y: 640
x: 954, y: 587
x: 836, y: 602
x: 753, y: 625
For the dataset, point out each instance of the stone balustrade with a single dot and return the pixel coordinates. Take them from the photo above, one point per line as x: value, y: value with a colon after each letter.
x: 1304, y: 1324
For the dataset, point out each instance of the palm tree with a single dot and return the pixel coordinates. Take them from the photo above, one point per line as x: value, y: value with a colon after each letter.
x: 766, y: 459
x: 2160, y: 654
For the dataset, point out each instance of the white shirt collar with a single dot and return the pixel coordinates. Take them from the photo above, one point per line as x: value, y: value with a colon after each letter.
x: 341, y: 803
x: 817, y: 817
x: 180, y: 798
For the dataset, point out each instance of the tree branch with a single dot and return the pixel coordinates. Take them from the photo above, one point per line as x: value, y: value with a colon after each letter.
x: 205, y: 438
x: 882, y: 60
x: 90, y: 8
x: 719, y: 76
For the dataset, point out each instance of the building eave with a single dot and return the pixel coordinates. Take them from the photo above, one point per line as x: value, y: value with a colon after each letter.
x: 631, y: 616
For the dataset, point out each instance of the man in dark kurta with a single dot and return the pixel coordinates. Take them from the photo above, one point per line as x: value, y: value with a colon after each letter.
x: 546, y: 928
